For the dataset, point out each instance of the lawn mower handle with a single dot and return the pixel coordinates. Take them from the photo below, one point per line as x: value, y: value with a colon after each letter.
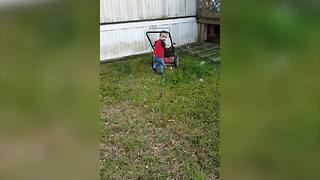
x: 149, y: 32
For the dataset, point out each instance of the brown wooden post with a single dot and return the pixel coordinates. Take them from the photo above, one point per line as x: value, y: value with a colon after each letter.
x: 202, y: 32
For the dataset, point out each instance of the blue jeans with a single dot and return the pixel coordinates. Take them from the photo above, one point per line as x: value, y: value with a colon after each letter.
x: 158, y: 62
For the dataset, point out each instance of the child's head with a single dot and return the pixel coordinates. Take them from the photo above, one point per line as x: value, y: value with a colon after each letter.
x: 163, y: 35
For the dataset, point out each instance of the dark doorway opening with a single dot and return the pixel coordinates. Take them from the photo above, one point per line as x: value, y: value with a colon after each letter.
x: 213, y: 32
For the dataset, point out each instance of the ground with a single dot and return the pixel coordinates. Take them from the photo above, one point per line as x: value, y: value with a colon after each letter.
x: 157, y: 127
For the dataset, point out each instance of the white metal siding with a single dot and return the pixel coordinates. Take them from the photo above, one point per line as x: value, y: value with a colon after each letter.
x: 119, y: 40
x: 129, y: 10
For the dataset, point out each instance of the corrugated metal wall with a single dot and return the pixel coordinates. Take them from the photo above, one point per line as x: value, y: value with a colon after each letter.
x: 129, y: 10
x: 119, y: 40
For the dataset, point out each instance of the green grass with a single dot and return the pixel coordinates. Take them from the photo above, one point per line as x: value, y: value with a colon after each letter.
x: 157, y: 127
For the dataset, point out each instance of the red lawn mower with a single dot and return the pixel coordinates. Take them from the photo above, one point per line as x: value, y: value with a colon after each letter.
x: 170, y: 59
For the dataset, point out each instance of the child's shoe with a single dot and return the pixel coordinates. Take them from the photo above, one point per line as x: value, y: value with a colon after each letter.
x: 154, y: 70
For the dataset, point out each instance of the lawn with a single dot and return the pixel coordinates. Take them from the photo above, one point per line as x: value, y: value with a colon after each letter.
x: 155, y: 127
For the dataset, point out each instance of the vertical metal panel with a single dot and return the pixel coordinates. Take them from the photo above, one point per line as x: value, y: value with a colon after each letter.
x: 119, y: 40
x: 129, y: 10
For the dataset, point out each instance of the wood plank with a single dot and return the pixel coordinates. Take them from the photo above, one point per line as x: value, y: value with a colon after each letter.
x: 206, y: 55
x: 201, y: 51
x: 208, y: 14
x: 215, y: 59
x: 209, y: 21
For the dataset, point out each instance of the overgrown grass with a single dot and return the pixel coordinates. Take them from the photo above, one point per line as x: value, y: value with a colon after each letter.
x: 157, y: 127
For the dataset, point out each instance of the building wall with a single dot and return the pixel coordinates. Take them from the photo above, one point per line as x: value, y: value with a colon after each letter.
x: 132, y: 10
x: 125, y: 39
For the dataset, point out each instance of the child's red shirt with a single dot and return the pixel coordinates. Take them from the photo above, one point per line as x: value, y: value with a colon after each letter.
x: 159, y: 46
